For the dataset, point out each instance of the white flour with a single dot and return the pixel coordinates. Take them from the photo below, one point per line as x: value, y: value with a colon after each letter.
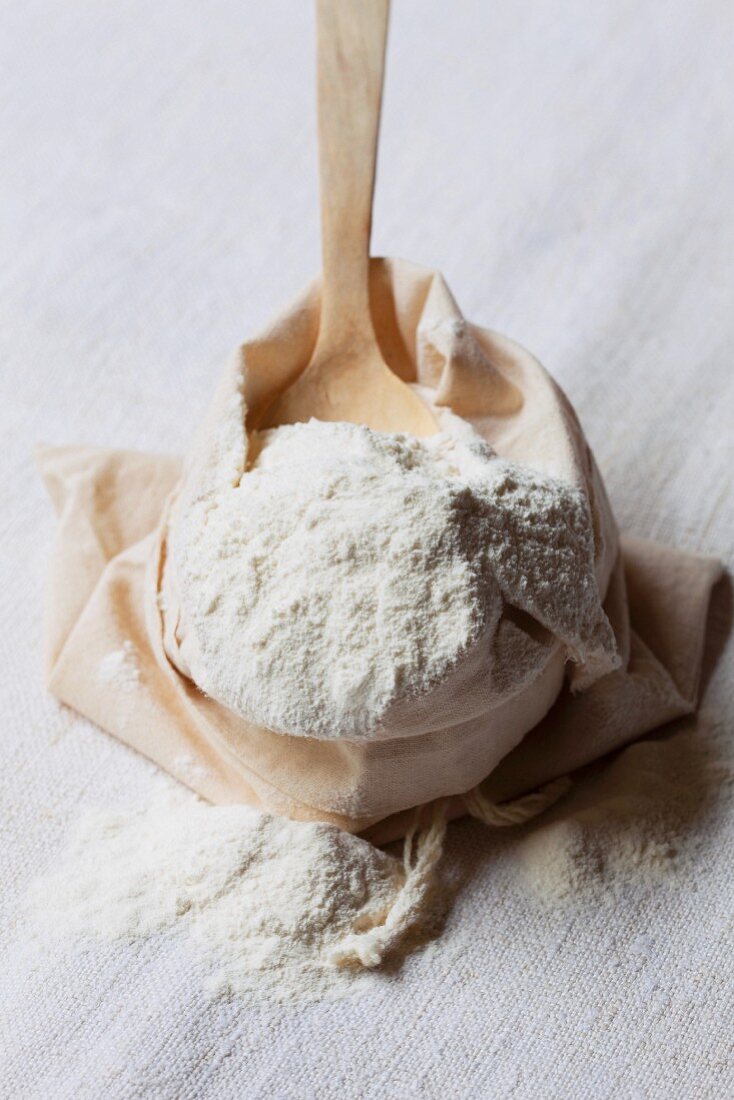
x: 120, y: 667
x: 630, y: 824
x: 261, y: 899
x: 187, y: 768
x: 264, y: 901
x: 351, y: 571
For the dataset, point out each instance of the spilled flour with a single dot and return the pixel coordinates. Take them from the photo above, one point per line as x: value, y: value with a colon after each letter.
x: 187, y: 768
x: 633, y: 823
x: 266, y: 903
x: 261, y: 899
x: 120, y: 667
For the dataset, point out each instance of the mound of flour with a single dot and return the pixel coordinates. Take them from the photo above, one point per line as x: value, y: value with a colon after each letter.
x: 352, y: 570
x: 262, y: 900
x: 630, y: 823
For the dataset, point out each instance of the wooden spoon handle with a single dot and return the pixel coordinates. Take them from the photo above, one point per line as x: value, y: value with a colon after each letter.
x: 351, y: 36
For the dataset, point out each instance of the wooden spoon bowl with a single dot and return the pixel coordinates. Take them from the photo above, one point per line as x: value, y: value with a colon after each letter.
x: 347, y: 378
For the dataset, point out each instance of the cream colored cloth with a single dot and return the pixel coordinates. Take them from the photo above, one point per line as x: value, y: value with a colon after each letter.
x: 110, y: 565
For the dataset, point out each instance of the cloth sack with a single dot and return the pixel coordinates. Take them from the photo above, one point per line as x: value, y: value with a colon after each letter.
x: 112, y: 591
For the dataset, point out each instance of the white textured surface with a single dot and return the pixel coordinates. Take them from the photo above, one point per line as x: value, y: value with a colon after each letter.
x: 568, y: 167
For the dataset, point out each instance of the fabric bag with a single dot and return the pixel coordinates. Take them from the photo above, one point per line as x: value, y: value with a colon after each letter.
x: 113, y: 590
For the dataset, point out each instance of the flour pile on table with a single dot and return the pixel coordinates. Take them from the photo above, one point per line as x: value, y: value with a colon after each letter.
x: 349, y: 572
x: 629, y: 825
x: 268, y: 903
x: 262, y: 899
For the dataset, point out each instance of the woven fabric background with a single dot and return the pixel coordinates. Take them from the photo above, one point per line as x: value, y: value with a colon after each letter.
x: 569, y: 168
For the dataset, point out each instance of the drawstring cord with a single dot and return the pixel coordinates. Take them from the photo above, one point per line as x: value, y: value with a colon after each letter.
x: 501, y: 814
x: 422, y: 852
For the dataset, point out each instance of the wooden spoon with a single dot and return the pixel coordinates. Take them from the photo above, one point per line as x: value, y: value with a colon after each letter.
x: 347, y: 378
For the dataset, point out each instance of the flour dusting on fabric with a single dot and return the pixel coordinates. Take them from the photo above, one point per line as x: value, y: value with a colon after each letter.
x: 120, y: 668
